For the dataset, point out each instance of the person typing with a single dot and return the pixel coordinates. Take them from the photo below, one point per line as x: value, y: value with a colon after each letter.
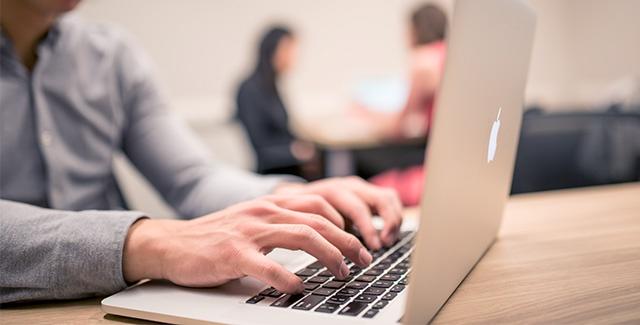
x: 73, y: 95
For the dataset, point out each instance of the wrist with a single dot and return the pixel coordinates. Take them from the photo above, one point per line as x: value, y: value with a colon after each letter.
x: 144, y: 250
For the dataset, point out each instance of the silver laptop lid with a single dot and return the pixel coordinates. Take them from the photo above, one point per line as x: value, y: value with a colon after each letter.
x: 472, y: 147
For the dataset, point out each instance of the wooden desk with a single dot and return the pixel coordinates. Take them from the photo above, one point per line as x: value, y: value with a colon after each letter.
x: 339, y: 132
x: 562, y: 257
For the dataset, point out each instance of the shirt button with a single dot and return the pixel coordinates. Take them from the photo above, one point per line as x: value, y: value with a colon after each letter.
x: 46, y: 138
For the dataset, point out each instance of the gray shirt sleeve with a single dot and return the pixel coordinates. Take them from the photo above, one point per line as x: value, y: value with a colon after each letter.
x: 52, y: 254
x: 168, y: 154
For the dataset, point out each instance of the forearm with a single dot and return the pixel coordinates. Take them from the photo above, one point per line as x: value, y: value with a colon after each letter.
x: 52, y: 254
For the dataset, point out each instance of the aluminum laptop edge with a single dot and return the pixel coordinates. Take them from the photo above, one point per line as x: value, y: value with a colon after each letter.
x: 470, y: 158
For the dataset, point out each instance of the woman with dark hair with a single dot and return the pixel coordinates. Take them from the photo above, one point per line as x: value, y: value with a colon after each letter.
x: 262, y: 112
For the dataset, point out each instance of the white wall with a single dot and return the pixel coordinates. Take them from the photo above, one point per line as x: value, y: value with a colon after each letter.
x: 586, y: 51
x: 203, y: 47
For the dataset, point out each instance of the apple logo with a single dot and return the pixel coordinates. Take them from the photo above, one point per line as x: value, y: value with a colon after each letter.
x: 493, y: 138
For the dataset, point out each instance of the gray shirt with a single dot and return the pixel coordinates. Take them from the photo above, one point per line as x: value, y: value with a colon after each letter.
x: 63, y: 220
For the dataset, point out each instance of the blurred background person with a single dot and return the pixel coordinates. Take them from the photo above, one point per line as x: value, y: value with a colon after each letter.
x: 426, y: 34
x: 262, y: 112
x: 427, y: 31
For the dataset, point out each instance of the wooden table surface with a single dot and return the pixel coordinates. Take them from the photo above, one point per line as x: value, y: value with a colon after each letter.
x: 339, y: 132
x: 568, y: 256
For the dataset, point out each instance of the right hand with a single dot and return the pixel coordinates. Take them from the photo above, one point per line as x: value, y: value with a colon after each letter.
x: 231, y: 243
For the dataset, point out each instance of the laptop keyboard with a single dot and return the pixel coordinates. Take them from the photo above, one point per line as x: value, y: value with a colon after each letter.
x: 363, y: 293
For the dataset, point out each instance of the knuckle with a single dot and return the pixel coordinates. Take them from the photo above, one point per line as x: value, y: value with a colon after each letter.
x: 231, y: 250
x: 261, y: 207
x: 318, y: 201
x: 353, y: 243
x: 304, y: 232
x: 336, y: 255
x: 272, y: 272
x: 319, y: 223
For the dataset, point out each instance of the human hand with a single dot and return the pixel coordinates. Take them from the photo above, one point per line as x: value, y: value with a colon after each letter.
x: 231, y: 243
x: 357, y: 200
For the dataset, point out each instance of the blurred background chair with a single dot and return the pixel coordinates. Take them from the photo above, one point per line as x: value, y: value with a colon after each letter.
x: 574, y: 149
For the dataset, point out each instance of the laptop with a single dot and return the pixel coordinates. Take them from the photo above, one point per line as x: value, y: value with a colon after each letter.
x: 470, y: 163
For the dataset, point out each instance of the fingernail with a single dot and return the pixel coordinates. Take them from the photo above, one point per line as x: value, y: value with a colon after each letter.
x: 300, y: 287
x: 365, y: 257
x: 344, y: 270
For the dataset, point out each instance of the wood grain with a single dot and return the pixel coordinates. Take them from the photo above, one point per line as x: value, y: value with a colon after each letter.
x: 568, y: 256
x: 564, y: 257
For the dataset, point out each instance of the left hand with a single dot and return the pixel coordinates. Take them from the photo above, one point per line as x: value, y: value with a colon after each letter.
x: 357, y: 200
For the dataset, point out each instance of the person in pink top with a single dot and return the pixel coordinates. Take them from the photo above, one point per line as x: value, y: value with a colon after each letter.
x: 427, y: 33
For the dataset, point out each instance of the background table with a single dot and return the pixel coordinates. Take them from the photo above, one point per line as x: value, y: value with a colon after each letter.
x: 569, y: 256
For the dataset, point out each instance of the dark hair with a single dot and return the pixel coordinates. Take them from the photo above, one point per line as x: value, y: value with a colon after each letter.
x: 265, y: 70
x: 429, y: 24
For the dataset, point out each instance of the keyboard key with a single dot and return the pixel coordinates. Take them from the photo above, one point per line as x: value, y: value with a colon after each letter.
x: 355, y: 270
x: 308, y: 302
x: 318, y: 279
x: 348, y: 292
x: 255, y: 299
x: 267, y: 291
x: 404, y: 281
x: 366, y: 298
x: 398, y: 270
x: 334, y: 285
x: 324, y: 292
x: 275, y: 294
x: 366, y: 278
x: 397, y: 288
x: 404, y: 234
x: 381, y: 266
x: 287, y: 300
x: 353, y: 308
x: 373, y: 272
x: 327, y: 308
x: 390, y: 277
x: 315, y: 265
x: 306, y: 272
x: 374, y: 291
x: 325, y: 273
x: 347, y: 279
x: 370, y: 313
x: 405, y: 248
x: 339, y: 299
x: 357, y: 285
x: 380, y: 304
x: 377, y: 254
x: 382, y: 284
x: 389, y: 296
x: 308, y: 286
